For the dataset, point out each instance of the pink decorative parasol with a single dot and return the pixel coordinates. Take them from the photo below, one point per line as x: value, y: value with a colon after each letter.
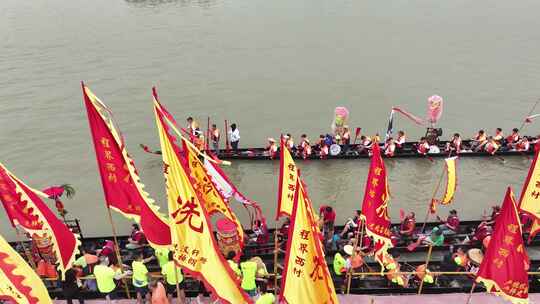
x: 435, y: 108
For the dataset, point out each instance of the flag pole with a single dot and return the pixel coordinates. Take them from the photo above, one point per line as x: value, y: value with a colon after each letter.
x: 117, y: 250
x: 359, y: 230
x: 427, y: 265
x: 432, y: 198
x: 178, y: 300
x: 208, y: 134
x: 530, y: 112
x: 227, y: 146
x: 26, y: 252
x: 276, y: 253
x: 470, y: 293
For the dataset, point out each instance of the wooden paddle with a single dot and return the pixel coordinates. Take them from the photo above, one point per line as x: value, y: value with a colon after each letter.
x: 356, y: 133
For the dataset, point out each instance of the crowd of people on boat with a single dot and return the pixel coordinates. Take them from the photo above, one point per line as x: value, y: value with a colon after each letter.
x: 350, y: 246
x: 340, y: 142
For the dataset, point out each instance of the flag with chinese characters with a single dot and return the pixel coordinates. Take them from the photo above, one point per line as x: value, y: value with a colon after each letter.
x: 210, y: 195
x: 375, y: 206
x: 18, y: 281
x: 451, y: 181
x: 530, y: 195
x: 195, y: 248
x: 504, y: 268
x: 306, y: 276
x: 124, y: 191
x: 25, y: 207
x: 288, y: 175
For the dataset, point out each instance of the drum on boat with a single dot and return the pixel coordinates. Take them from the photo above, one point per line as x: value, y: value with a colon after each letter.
x: 335, y: 149
x: 227, y: 236
x: 475, y: 256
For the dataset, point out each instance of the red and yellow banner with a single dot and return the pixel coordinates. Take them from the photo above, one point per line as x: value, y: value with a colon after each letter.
x: 210, y: 195
x: 306, y: 277
x: 18, y: 282
x: 530, y: 195
x: 504, y: 268
x: 451, y: 181
x: 122, y: 186
x: 288, y: 177
x: 195, y: 248
x: 25, y: 207
x: 375, y: 206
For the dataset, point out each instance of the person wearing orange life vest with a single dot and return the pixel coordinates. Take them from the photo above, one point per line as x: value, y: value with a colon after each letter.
x: 304, y: 147
x: 272, y: 148
x: 400, y: 140
x: 365, y: 144
x: 389, y: 147
x: 451, y: 225
x: 198, y: 140
x: 423, y: 146
x: 499, y: 136
x: 479, y: 140
x: 408, y: 225
x: 523, y: 144
x: 491, y: 146
x: 460, y: 258
x: 323, y: 147
x: 454, y: 145
x: 513, y: 138
x: 393, y: 268
x: 423, y: 274
x: 214, y: 137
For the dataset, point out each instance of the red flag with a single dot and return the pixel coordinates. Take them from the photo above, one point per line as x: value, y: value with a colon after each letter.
x: 504, y: 268
x: 375, y: 205
x: 123, y: 189
x: 26, y: 208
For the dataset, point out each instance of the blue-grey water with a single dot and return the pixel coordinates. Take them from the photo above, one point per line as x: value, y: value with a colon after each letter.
x: 271, y: 67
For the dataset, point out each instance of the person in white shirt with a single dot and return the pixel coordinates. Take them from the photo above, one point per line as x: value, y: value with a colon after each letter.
x: 234, y: 136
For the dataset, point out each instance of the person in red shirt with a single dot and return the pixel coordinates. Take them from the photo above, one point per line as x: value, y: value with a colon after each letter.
x: 137, y: 238
x: 328, y: 216
x: 451, y: 225
x: 408, y: 225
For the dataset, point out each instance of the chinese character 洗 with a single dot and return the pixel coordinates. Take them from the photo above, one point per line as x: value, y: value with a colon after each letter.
x: 189, y: 212
x: 316, y: 273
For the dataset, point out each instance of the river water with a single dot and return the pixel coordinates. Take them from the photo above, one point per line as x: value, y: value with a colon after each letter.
x: 271, y: 67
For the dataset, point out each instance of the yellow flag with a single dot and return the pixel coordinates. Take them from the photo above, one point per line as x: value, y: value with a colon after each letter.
x: 18, y: 282
x: 192, y: 236
x: 211, y: 197
x: 451, y: 182
x: 530, y: 195
x: 306, y: 276
x: 288, y: 176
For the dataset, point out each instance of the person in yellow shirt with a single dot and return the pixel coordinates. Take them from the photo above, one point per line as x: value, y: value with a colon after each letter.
x: 233, y: 264
x: 266, y: 297
x: 105, y: 276
x: 249, y: 273
x: 162, y: 255
x: 172, y: 274
x: 140, y: 277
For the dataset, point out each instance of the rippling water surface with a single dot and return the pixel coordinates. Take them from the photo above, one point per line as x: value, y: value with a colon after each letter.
x: 271, y: 66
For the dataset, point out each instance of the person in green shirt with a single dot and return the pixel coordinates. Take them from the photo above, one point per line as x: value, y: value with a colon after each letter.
x: 162, y: 255
x: 266, y: 297
x: 140, y: 277
x: 105, y: 276
x: 172, y: 274
x: 249, y: 273
x: 233, y: 264
x: 436, y: 238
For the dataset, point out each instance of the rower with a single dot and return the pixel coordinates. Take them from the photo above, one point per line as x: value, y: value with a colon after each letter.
x: 365, y: 144
x: 400, y: 140
x: 407, y: 226
x: 234, y: 137
x: 289, y: 142
x: 423, y: 274
x: 451, y: 225
x: 482, y: 231
x: 460, y: 258
x: 523, y: 144
x: 214, y: 137
x: 346, y: 137
x: 192, y: 125
x: 272, y: 148
x: 304, y: 147
x: 478, y: 141
x: 352, y: 223
x: 423, y: 146
x: 454, y: 145
x: 491, y: 146
x: 389, y: 147
x: 513, y: 138
x: 323, y: 147
x: 499, y: 136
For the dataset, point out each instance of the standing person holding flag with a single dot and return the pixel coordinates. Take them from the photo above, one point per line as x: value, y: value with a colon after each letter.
x: 375, y: 206
x: 504, y: 268
x: 195, y: 248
